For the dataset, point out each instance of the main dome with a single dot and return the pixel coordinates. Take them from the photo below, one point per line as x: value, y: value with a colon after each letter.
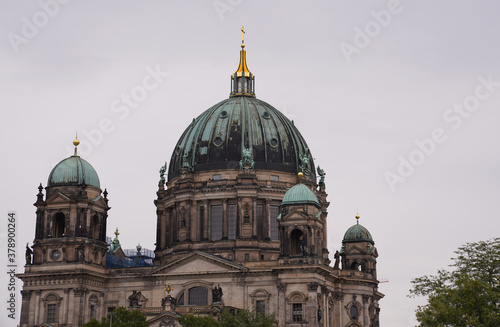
x: 73, y: 171
x: 215, y: 139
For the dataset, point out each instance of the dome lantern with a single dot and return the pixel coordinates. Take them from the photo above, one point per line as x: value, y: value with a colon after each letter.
x: 242, y: 81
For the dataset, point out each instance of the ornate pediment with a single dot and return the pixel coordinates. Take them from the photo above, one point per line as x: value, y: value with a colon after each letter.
x: 58, y: 198
x: 197, y: 262
x: 356, y: 250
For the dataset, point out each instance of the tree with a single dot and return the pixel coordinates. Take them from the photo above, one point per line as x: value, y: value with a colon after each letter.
x: 121, y: 317
x: 243, y: 318
x: 467, y: 296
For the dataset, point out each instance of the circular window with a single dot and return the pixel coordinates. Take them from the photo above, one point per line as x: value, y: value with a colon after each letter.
x: 223, y: 114
x: 273, y: 142
x: 218, y: 141
x: 55, y: 255
x: 266, y: 115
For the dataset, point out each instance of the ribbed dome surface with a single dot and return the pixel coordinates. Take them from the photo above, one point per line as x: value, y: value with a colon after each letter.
x: 357, y: 233
x: 215, y: 139
x: 73, y: 171
x: 300, y: 194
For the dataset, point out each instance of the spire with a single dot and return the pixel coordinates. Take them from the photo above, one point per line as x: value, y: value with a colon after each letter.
x: 75, y: 143
x: 243, y: 81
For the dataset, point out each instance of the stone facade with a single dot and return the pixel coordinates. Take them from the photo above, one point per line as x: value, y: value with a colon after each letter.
x: 225, y: 239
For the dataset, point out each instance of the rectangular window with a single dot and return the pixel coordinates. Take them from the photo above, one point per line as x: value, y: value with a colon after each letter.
x: 275, y: 178
x: 260, y: 307
x: 275, y: 211
x: 231, y: 228
x: 260, y: 221
x: 51, y: 313
x: 247, y: 256
x: 111, y: 309
x: 92, y: 312
x: 296, y: 311
x: 216, y: 213
x: 216, y: 177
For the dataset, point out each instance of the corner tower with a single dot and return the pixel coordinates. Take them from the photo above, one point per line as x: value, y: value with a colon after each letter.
x: 302, y: 226
x: 71, y: 221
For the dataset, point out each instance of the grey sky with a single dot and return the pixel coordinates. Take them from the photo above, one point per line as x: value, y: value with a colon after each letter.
x: 360, y: 113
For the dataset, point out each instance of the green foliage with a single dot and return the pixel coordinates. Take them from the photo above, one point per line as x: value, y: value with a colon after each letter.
x: 467, y: 296
x: 121, y: 317
x: 244, y: 318
x: 196, y: 321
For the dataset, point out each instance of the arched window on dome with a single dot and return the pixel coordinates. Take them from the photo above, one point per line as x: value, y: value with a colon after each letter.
x: 59, y: 224
x: 296, y: 238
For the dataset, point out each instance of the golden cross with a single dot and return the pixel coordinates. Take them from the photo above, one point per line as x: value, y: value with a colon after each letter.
x: 242, y: 34
x: 168, y: 288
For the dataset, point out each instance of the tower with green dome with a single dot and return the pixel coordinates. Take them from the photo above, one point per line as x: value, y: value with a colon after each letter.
x: 71, y: 220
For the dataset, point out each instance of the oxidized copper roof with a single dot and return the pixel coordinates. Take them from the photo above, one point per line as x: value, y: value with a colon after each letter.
x: 215, y: 139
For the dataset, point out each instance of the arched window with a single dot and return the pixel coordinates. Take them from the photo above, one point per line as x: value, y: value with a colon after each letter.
x: 59, y: 224
x: 295, y: 242
x: 95, y: 227
x: 198, y: 295
x: 51, y: 303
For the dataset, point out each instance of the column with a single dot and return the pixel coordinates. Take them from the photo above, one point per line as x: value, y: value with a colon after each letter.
x: 25, y: 308
x: 311, y: 309
x: 66, y: 305
x: 188, y: 220
x: 254, y: 217
x: 225, y: 219
x: 281, y: 310
x: 267, y: 220
x: 37, y: 307
x: 206, y: 223
x: 194, y: 220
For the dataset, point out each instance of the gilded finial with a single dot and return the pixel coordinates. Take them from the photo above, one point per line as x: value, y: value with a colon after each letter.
x: 168, y: 289
x: 116, y: 233
x: 76, y: 142
x: 357, y: 217
x: 242, y: 37
x: 300, y: 174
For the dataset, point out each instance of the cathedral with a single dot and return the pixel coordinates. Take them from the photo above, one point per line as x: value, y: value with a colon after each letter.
x: 241, y: 214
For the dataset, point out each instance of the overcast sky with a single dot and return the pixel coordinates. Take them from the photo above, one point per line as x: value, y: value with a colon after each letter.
x: 398, y: 101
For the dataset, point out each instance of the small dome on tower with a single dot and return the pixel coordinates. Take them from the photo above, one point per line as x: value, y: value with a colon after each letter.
x: 300, y: 194
x: 357, y: 233
x: 73, y: 171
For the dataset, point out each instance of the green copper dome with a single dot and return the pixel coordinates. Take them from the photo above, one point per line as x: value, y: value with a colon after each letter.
x: 73, y: 171
x: 357, y: 233
x: 300, y: 194
x: 218, y: 138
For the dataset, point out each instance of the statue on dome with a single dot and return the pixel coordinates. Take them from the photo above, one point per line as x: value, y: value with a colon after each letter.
x: 246, y: 162
x: 163, y: 169
x: 186, y: 167
x: 304, y: 164
x: 322, y: 175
